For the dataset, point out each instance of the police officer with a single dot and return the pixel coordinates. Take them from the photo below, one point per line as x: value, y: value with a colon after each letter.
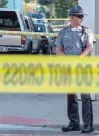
x: 77, y: 40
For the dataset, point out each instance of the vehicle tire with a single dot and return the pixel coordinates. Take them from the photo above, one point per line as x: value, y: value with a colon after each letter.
x: 46, y: 51
x: 37, y: 52
x: 29, y: 50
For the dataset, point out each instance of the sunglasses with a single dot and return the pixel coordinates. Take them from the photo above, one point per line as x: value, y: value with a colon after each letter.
x: 79, y: 16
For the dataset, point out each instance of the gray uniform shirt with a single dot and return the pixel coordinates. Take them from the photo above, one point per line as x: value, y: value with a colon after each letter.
x: 72, y: 41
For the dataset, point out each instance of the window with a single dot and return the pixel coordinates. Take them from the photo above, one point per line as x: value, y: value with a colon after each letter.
x: 40, y: 28
x: 27, y: 25
x: 32, y: 25
x: 1, y: 21
x: 23, y: 21
x: 9, y: 21
x: 50, y: 30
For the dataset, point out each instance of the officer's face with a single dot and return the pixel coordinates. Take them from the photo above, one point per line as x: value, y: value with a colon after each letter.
x: 76, y: 20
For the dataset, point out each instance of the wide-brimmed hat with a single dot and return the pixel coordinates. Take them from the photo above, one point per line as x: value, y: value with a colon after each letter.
x: 76, y: 10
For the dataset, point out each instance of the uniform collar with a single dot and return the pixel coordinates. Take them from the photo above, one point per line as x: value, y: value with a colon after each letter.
x: 78, y: 28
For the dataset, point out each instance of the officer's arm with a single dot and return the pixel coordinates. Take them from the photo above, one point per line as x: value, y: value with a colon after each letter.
x: 59, y: 44
x: 88, y: 50
x: 89, y: 44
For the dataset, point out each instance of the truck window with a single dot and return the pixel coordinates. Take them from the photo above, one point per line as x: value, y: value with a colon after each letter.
x: 32, y: 25
x: 27, y: 25
x: 23, y: 21
x: 9, y: 21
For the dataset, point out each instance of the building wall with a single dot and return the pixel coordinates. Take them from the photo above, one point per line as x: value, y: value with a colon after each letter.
x: 97, y: 30
x: 16, y: 4
x: 97, y: 24
x: 90, y: 21
x: 89, y: 9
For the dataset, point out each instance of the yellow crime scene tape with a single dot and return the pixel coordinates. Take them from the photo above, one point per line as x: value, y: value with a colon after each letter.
x: 51, y: 19
x: 27, y: 33
x: 56, y: 26
x: 32, y: 33
x: 49, y: 74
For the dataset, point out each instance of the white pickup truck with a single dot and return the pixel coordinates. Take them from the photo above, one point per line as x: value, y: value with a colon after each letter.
x: 11, y: 20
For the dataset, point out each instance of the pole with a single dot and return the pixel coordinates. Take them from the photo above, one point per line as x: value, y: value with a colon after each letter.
x: 14, y: 4
x: 52, y: 7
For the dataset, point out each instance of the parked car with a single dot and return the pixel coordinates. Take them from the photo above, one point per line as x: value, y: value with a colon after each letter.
x: 47, y: 43
x: 36, y: 40
x: 12, y: 20
x: 43, y: 27
x: 37, y: 17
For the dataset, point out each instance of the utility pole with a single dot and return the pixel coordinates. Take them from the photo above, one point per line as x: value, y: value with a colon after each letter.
x: 0, y: 3
x: 53, y: 7
x: 14, y: 4
x: 36, y: 4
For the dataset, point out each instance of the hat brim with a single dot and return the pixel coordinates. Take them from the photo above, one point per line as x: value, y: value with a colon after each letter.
x: 77, y: 14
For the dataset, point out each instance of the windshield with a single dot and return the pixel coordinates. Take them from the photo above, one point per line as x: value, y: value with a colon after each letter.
x: 40, y: 28
x: 35, y: 15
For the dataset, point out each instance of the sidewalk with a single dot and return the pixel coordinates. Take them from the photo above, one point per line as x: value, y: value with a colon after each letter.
x: 9, y: 130
x: 38, y: 110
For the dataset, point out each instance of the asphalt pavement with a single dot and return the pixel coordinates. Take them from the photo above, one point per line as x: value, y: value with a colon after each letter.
x: 38, y: 114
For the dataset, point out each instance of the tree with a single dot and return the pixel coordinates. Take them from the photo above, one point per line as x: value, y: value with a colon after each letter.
x: 44, y: 2
x: 3, y: 3
x: 62, y: 7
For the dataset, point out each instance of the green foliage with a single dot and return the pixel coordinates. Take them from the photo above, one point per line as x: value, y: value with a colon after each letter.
x: 62, y: 7
x: 3, y: 3
x: 44, y: 2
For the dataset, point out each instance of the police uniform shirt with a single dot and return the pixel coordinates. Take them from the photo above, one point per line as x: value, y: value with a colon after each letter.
x: 72, y: 41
